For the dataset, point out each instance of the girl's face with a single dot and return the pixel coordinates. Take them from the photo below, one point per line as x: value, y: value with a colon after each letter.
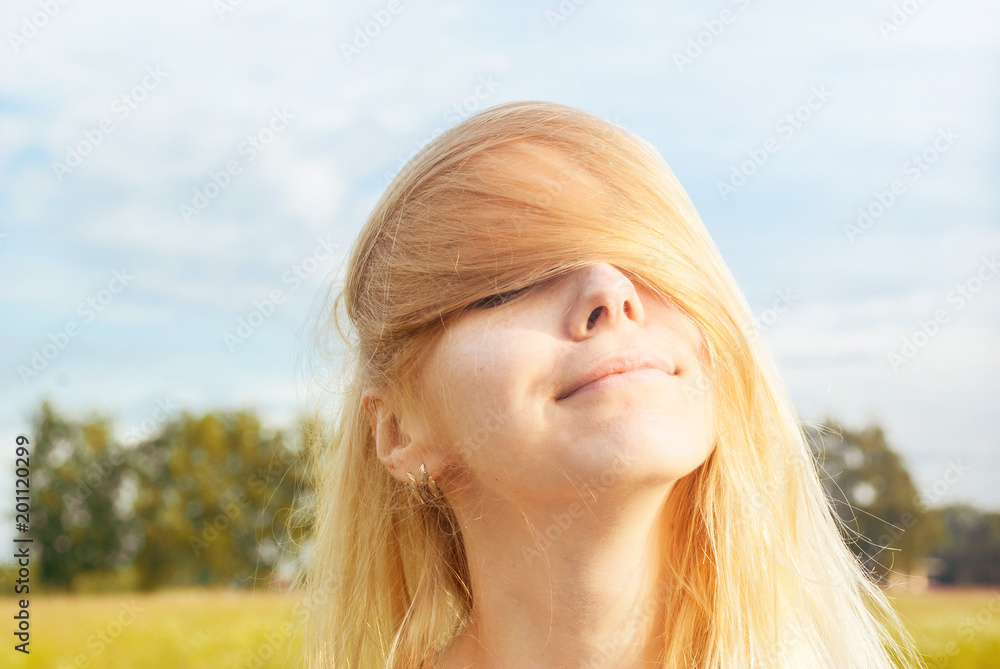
x: 498, y: 384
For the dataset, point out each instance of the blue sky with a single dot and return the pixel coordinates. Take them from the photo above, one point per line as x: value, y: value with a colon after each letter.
x: 286, y: 119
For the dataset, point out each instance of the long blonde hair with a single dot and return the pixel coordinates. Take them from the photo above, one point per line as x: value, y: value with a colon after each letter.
x: 761, y: 576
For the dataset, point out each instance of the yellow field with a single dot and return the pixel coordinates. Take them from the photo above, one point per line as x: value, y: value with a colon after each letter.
x: 219, y: 629
x: 182, y: 629
x: 958, y: 629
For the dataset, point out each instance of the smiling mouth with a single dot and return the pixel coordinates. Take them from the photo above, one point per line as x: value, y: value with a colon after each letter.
x: 618, y: 379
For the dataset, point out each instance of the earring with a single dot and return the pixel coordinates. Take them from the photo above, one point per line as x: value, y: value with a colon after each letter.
x: 424, y: 490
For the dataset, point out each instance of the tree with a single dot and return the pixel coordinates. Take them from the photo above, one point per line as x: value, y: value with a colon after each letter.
x: 215, y: 495
x: 207, y: 500
x: 884, y: 519
x: 972, y: 555
x: 77, y: 519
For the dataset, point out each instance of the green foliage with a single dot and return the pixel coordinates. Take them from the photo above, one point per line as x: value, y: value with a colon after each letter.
x: 77, y: 470
x: 972, y: 553
x: 208, y: 500
x: 216, y: 493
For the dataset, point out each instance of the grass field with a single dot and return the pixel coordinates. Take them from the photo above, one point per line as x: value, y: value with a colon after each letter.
x: 226, y: 629
x: 957, y: 629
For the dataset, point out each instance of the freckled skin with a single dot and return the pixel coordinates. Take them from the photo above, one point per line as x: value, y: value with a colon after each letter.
x: 492, y: 383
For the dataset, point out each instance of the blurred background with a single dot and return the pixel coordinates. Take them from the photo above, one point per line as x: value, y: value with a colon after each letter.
x: 180, y: 181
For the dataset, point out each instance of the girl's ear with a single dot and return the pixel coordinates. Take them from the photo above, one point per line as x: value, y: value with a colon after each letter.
x: 391, y: 445
x: 372, y: 404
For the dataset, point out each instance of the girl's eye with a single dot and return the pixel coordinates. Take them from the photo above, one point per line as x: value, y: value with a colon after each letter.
x: 498, y: 299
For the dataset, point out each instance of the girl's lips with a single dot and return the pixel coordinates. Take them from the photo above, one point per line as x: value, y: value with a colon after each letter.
x: 616, y: 380
x: 620, y: 363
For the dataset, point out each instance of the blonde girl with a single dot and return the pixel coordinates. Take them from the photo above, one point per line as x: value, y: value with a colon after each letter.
x: 559, y: 441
